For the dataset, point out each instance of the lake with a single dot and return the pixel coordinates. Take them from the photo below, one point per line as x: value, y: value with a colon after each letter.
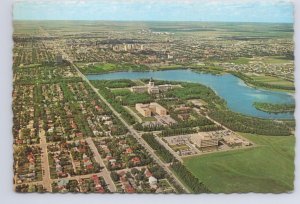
x: 238, y: 95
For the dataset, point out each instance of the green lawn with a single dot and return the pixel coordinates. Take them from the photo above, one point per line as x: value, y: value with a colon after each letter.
x: 272, y: 80
x: 105, y: 67
x: 241, y: 60
x: 267, y: 60
x: 276, y: 60
x: 266, y: 168
x: 121, y: 91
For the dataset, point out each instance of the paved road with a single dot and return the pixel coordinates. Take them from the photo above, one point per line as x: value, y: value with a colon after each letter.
x: 105, y: 172
x: 45, y: 161
x: 132, y: 130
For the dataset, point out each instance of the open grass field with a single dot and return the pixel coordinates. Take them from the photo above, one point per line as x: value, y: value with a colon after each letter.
x: 100, y: 68
x: 276, y: 60
x: 121, y: 91
x: 241, y: 60
x: 266, y: 168
x: 267, y: 60
x: 273, y: 80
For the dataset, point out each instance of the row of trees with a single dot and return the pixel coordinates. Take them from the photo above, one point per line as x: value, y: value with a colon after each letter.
x: 180, y: 131
x: 188, y: 178
x: 159, y: 149
x: 120, y: 83
x: 208, y: 128
x: 120, y: 109
x: 149, y: 128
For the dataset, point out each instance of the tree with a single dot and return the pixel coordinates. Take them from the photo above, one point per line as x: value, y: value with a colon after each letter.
x: 115, y: 177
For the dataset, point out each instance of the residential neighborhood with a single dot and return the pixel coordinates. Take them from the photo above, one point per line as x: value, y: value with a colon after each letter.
x: 153, y: 108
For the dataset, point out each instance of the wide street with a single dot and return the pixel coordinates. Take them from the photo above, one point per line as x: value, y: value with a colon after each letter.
x: 105, y: 172
x: 132, y: 131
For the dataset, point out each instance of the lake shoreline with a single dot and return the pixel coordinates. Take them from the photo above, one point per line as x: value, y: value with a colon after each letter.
x: 196, y: 69
x: 239, y: 96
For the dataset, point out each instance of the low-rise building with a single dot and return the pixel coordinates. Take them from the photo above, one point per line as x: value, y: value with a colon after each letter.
x: 153, y: 90
x: 143, y: 109
x: 158, y: 109
x: 205, y: 141
x: 139, y: 89
x: 208, y: 142
x: 147, y: 110
x: 233, y: 141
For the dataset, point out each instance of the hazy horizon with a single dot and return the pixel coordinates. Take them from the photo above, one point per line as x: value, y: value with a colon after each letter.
x: 166, y: 21
x: 265, y: 11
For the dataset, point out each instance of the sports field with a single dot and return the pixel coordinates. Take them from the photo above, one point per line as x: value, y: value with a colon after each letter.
x: 266, y: 168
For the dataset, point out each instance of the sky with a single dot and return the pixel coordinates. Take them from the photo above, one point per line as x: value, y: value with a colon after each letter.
x: 275, y: 11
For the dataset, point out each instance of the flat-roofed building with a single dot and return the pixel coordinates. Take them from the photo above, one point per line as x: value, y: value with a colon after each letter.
x: 233, y: 141
x: 139, y: 89
x: 208, y: 142
x: 147, y: 110
x: 143, y: 109
x: 205, y: 141
x: 158, y: 109
x: 153, y: 90
x: 165, y: 87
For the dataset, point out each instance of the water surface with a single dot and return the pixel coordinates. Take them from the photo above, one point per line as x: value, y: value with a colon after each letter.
x: 238, y: 95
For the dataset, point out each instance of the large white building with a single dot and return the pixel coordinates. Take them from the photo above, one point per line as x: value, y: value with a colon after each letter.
x: 152, y: 89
